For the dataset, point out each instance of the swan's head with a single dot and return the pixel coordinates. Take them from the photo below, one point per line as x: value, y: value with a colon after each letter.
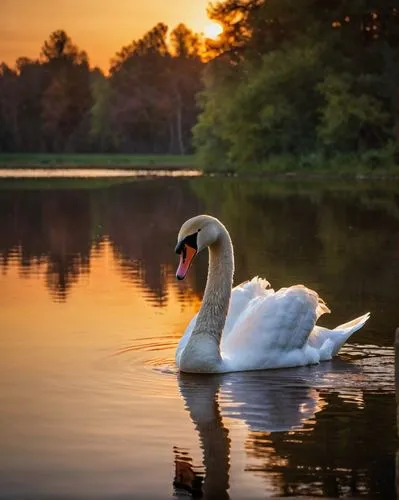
x: 195, y: 235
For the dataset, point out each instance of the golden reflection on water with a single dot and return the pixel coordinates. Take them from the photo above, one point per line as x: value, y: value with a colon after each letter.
x: 101, y: 301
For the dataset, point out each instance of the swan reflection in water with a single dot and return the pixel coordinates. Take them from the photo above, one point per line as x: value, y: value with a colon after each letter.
x: 266, y: 401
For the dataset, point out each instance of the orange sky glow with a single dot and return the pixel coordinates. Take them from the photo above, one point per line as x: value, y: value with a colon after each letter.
x: 100, y: 27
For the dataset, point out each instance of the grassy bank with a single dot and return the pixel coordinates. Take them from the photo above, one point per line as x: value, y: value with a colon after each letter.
x: 96, y: 160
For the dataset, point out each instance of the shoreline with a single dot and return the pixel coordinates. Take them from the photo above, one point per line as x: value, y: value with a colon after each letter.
x: 96, y: 166
x: 92, y: 165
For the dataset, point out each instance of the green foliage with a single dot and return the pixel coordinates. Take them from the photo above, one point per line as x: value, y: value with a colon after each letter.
x: 350, y: 121
x: 212, y: 146
x: 266, y: 112
x: 298, y: 83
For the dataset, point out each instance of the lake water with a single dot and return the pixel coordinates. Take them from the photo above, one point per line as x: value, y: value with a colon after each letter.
x: 91, y: 405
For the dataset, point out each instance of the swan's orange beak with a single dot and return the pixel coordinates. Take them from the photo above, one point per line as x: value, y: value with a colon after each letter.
x: 186, y: 257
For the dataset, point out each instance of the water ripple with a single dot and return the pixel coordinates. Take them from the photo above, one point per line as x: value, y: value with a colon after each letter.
x: 358, y: 369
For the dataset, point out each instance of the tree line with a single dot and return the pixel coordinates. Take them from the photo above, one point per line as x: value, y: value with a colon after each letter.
x: 58, y: 104
x: 287, y: 82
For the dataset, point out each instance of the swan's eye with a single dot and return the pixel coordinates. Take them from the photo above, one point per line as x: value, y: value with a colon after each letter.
x: 190, y: 240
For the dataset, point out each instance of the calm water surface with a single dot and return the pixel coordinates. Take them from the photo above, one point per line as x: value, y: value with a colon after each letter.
x: 91, y: 405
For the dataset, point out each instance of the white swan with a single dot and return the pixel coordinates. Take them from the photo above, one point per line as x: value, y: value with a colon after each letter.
x: 250, y: 327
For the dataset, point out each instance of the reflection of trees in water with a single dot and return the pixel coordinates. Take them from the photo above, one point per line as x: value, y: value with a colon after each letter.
x: 51, y: 227
x: 347, y: 453
x: 59, y: 228
x: 340, y: 241
x: 142, y: 221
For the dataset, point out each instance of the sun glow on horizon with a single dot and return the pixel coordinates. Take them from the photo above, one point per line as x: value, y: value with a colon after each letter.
x: 101, y: 29
x: 212, y: 30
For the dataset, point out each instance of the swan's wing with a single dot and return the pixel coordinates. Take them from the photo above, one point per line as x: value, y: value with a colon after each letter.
x: 241, y: 296
x: 272, y: 331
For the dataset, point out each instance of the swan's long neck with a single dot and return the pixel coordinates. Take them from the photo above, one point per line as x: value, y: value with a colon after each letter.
x: 215, y: 303
x: 202, y: 352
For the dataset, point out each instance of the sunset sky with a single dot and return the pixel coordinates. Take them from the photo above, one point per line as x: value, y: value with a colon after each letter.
x: 100, y: 27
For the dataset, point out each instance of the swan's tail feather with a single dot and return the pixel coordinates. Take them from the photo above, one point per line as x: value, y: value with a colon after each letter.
x: 341, y: 333
x: 353, y: 325
x: 329, y: 342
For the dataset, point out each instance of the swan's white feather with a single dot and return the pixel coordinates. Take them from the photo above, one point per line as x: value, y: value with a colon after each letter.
x: 241, y: 296
x: 273, y: 331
